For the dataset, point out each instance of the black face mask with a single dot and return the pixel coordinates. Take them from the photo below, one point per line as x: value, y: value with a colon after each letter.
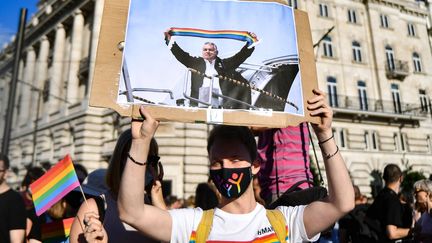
x: 231, y: 182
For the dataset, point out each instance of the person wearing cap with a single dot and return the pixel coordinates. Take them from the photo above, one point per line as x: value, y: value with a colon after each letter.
x: 104, y: 184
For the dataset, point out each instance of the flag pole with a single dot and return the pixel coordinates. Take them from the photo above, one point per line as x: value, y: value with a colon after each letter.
x: 85, y: 199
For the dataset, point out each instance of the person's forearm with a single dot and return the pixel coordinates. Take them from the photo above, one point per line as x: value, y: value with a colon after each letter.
x: 131, y: 192
x: 341, y: 193
x: 394, y: 233
x: 17, y: 235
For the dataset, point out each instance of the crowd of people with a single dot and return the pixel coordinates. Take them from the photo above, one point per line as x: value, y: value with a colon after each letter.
x: 125, y: 202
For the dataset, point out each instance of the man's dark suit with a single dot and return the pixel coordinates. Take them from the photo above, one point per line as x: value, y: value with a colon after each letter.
x: 225, y: 67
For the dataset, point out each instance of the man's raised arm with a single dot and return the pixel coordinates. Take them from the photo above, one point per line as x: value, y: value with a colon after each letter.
x: 147, y: 219
x: 320, y: 215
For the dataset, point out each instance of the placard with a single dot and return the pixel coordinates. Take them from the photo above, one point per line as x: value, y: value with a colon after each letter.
x: 213, y: 61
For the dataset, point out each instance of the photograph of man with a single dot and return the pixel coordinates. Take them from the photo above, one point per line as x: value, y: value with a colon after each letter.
x: 211, y: 65
x: 240, y: 55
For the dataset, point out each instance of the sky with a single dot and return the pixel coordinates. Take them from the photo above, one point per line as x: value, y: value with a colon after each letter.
x: 152, y: 65
x: 9, y: 17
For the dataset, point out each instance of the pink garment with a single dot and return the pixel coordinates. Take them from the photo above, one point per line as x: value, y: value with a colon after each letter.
x: 284, y: 157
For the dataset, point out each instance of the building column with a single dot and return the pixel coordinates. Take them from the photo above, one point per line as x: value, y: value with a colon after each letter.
x: 75, y: 57
x: 29, y: 72
x: 57, y: 68
x: 41, y: 72
x: 97, y: 20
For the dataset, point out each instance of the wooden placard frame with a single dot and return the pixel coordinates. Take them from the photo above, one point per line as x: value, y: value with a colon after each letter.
x: 104, y: 90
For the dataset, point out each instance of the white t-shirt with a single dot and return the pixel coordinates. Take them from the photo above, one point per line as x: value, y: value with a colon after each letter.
x: 227, y: 227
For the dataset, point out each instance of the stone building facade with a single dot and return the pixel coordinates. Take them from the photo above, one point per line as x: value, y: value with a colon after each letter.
x: 374, y: 64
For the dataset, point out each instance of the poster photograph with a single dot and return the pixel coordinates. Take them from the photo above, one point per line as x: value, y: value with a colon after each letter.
x: 196, y: 54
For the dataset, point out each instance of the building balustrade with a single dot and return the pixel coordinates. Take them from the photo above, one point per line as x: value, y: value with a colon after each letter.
x: 396, y: 69
x: 378, y: 108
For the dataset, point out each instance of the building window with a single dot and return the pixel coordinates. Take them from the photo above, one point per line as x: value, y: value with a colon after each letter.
x: 417, y: 63
x: 400, y: 140
x: 384, y: 21
x: 429, y: 143
x: 390, y: 57
x: 323, y: 10
x: 363, y: 102
x: 352, y: 16
x: 396, y: 98
x: 371, y: 140
x: 328, y: 47
x: 356, y: 49
x: 340, y: 137
x: 293, y: 3
x: 411, y: 29
x: 424, y: 104
x: 332, y: 91
x: 374, y: 140
x: 403, y: 142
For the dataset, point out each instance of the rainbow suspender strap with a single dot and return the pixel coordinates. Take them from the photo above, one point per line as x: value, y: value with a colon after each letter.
x: 216, y: 34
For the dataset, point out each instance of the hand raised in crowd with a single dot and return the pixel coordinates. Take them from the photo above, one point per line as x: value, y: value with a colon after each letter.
x: 157, y: 196
x: 93, y: 228
x: 318, y: 107
x: 144, y: 130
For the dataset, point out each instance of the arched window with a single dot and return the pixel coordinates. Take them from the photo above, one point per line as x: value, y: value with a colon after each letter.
x: 356, y: 49
x: 417, y: 62
x: 390, y: 57
x: 328, y: 46
x: 396, y: 98
x: 332, y: 91
x: 363, y: 102
x: 424, y: 103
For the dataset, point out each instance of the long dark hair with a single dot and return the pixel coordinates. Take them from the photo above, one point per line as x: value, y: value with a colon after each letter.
x: 119, y: 157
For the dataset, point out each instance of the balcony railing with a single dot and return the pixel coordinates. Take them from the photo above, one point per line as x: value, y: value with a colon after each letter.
x: 379, y: 108
x: 396, y: 69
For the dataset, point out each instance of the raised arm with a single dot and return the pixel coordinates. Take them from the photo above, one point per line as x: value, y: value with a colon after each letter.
x: 184, y: 57
x: 147, y: 219
x: 319, y: 215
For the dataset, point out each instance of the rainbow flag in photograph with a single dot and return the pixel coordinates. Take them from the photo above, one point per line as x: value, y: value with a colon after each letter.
x: 56, y: 231
x: 218, y: 34
x: 54, y: 185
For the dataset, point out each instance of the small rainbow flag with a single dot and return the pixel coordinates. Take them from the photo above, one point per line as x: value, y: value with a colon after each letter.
x: 56, y: 231
x: 218, y: 34
x: 54, y: 185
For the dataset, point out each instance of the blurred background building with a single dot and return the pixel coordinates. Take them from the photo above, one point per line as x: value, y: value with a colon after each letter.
x: 373, y: 59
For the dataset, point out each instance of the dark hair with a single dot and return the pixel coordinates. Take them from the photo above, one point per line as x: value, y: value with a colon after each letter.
x: 81, y: 172
x: 357, y: 193
x: 119, y: 157
x: 205, y: 197
x: 33, y: 173
x: 239, y: 133
x: 392, y: 173
x: 5, y: 160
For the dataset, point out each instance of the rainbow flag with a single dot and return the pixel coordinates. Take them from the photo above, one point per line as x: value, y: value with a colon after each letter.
x: 54, y: 185
x: 56, y: 231
x: 218, y: 34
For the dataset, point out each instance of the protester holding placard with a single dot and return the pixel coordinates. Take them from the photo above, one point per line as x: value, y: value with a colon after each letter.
x: 232, y: 154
